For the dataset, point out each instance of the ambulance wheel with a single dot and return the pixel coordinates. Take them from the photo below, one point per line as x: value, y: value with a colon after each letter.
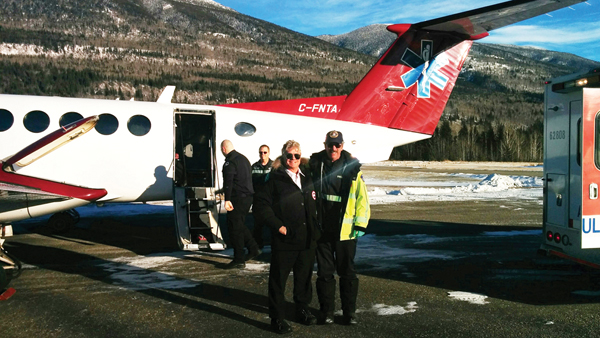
x: 61, y: 222
x: 3, y: 279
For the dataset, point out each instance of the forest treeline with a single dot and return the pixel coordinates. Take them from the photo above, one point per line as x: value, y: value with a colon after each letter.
x: 477, y: 141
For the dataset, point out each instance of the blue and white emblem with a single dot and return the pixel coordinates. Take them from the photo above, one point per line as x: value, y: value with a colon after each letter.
x: 425, y: 72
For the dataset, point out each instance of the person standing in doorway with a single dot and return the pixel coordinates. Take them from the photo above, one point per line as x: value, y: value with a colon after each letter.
x: 237, y: 186
x: 343, y: 212
x: 260, y: 170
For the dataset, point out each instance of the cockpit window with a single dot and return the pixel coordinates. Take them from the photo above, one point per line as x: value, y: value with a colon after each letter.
x: 6, y: 120
x: 139, y: 125
x: 245, y: 129
x: 107, y: 124
x: 36, y: 121
x: 69, y: 117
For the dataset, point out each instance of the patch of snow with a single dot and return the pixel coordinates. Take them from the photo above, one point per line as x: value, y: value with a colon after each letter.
x: 473, y: 298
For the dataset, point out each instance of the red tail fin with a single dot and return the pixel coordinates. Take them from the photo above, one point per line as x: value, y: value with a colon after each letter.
x: 409, y: 86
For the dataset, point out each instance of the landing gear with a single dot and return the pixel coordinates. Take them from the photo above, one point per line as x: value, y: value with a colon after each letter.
x: 62, y: 222
x: 10, y: 267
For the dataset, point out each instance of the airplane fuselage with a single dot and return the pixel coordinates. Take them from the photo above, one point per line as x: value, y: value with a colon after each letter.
x: 140, y: 168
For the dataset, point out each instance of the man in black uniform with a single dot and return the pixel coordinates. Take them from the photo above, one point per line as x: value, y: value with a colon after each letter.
x: 237, y: 185
x: 343, y: 211
x: 286, y: 205
x: 260, y: 170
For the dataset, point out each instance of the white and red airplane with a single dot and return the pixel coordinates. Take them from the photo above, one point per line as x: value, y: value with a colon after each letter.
x: 148, y: 151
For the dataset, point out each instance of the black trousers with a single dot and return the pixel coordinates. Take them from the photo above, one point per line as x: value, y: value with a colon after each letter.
x: 282, y: 262
x: 333, y: 256
x: 257, y: 233
x: 239, y: 234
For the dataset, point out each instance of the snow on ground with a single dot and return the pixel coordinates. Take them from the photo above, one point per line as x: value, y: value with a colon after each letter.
x: 469, y: 187
x: 472, y: 298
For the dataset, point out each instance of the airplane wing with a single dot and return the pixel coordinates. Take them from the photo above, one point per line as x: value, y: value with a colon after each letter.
x: 15, y: 187
x: 477, y: 23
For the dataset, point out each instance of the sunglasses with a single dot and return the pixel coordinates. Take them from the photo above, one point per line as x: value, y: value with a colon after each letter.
x: 292, y: 156
x: 263, y: 152
x: 334, y: 144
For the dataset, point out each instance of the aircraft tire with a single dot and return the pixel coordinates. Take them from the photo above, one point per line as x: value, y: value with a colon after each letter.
x: 61, y: 222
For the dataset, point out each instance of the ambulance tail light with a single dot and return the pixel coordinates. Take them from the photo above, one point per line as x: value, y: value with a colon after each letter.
x: 549, y: 236
x: 557, y: 237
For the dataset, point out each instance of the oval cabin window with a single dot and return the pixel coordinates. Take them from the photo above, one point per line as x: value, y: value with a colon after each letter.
x: 6, y: 120
x: 36, y: 121
x: 245, y: 129
x: 69, y: 118
x: 139, y: 125
x: 107, y: 124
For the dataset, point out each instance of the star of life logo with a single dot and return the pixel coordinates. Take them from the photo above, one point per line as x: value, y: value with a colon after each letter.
x: 425, y: 72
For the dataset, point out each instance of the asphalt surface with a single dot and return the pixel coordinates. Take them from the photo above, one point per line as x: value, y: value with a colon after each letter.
x: 124, y: 277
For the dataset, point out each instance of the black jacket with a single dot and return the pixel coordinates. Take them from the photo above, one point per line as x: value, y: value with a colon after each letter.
x: 334, y: 179
x: 237, y: 176
x: 282, y: 203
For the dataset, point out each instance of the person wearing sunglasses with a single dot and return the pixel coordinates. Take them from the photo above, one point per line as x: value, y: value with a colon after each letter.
x: 237, y: 185
x: 287, y: 206
x: 343, y: 214
x: 260, y: 170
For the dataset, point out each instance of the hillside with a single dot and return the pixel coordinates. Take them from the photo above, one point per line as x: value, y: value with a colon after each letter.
x: 133, y: 48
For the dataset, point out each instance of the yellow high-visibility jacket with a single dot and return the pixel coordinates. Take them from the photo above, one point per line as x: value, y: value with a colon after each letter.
x: 358, y: 211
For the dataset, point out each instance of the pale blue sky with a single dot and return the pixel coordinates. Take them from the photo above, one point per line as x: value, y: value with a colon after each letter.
x: 574, y: 30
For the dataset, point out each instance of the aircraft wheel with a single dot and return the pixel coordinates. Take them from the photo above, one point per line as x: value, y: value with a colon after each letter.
x: 61, y: 222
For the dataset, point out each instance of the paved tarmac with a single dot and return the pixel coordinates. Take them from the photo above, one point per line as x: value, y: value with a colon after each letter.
x: 124, y: 277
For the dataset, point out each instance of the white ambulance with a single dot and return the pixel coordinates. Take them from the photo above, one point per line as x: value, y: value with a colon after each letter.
x: 572, y: 168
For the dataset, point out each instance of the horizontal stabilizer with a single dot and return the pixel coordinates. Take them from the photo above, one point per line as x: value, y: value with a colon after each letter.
x: 478, y: 22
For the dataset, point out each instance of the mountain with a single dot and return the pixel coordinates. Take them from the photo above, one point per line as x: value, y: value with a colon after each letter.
x: 133, y: 48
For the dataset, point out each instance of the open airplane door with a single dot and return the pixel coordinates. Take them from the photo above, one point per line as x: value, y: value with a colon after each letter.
x: 590, y: 227
x: 194, y: 197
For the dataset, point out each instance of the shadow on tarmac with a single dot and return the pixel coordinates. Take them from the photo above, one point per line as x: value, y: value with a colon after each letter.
x: 504, y: 267
x: 52, y: 258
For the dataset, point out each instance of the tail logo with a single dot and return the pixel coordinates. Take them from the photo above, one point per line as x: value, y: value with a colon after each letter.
x: 425, y: 72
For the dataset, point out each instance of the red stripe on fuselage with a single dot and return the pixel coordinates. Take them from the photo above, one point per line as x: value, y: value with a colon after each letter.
x: 321, y: 107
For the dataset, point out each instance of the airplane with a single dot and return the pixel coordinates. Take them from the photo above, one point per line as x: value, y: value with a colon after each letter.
x: 62, y: 153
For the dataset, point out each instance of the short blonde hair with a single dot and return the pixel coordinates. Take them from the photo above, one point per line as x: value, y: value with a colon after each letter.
x: 290, y: 145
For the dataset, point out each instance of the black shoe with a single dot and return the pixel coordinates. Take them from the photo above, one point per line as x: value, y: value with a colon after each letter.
x: 234, y: 265
x: 349, y: 320
x: 305, y: 317
x: 280, y: 326
x: 254, y: 254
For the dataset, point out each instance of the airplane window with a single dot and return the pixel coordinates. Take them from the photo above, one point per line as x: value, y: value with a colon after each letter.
x: 107, y: 124
x: 6, y: 119
x: 139, y: 125
x: 36, y: 121
x: 69, y: 118
x: 245, y: 129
